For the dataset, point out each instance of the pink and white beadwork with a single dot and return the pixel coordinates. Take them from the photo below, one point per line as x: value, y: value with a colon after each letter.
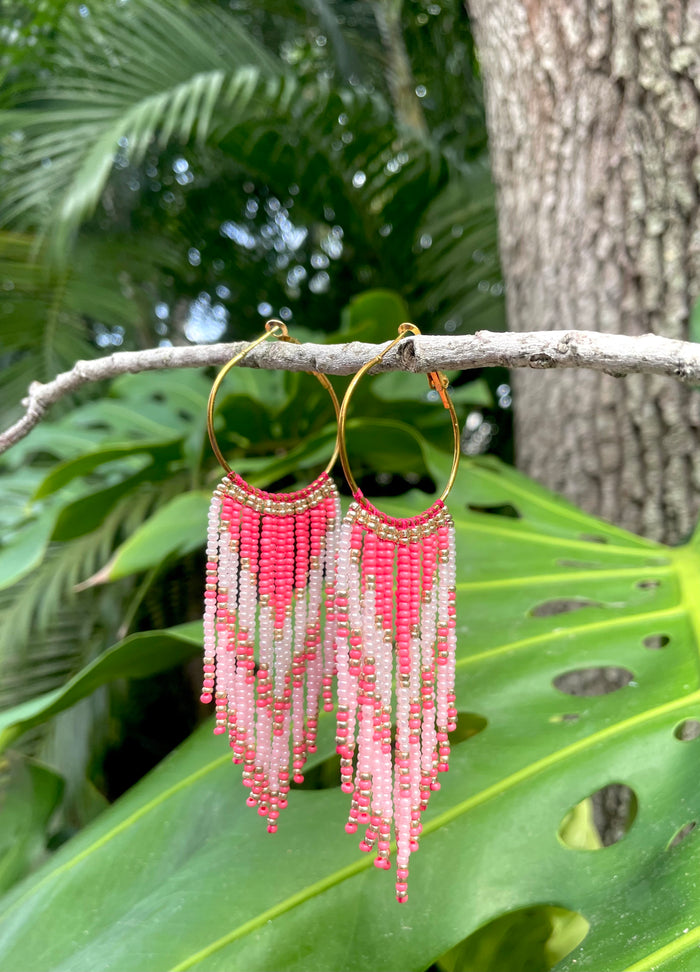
x: 270, y: 574
x: 395, y: 586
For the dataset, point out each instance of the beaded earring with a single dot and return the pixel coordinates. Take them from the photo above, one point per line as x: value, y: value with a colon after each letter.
x: 395, y: 586
x: 269, y: 575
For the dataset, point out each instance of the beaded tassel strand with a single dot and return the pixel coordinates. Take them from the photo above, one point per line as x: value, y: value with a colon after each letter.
x: 270, y: 570
x: 395, y: 584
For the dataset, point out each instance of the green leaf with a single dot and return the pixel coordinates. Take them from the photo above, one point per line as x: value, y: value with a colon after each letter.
x: 26, y: 549
x: 490, y: 845
x: 66, y: 472
x: 519, y: 941
x: 372, y: 316
x: 475, y: 392
x: 29, y: 794
x: 396, y: 386
x: 84, y: 514
x: 178, y: 527
x: 694, y: 323
x: 137, y: 656
x: 578, y: 828
x: 459, y: 274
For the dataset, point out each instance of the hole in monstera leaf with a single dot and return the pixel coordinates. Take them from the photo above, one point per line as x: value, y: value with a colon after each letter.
x: 562, y: 605
x: 656, y: 641
x: 593, y: 681
x: 601, y: 819
x: 533, y: 939
x: 326, y: 774
x: 647, y: 585
x: 504, y: 509
x: 687, y: 730
x: 565, y: 717
x: 323, y: 776
x: 593, y: 538
x: 468, y: 725
x: 578, y: 564
x: 681, y: 834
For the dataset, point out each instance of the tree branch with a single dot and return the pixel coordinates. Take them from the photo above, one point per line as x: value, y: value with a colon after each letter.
x: 613, y: 354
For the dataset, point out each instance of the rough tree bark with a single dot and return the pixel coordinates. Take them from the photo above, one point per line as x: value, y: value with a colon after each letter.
x: 593, y: 109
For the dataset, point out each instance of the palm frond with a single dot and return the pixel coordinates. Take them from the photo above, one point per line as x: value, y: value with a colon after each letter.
x: 29, y: 608
x: 120, y: 79
x: 124, y: 83
x: 49, y: 313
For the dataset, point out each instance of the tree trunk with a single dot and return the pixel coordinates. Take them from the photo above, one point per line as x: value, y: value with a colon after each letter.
x: 593, y: 109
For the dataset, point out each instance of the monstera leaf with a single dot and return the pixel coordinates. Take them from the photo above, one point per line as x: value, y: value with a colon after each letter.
x: 180, y: 874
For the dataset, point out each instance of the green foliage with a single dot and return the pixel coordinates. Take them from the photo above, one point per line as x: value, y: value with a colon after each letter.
x: 29, y: 794
x: 510, y: 869
x: 137, y: 88
x: 52, y: 314
x: 261, y: 116
x: 694, y: 323
x: 176, y: 528
x: 527, y: 940
x: 138, y: 656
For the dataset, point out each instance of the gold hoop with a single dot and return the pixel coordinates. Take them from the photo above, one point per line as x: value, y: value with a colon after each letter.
x: 436, y: 379
x: 273, y: 328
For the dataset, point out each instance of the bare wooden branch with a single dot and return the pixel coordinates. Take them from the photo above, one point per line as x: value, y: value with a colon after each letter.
x: 613, y: 354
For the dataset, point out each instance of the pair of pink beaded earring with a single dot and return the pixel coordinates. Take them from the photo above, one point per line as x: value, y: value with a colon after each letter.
x: 294, y: 598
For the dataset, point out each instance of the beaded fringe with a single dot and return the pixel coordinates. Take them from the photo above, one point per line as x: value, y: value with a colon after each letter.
x: 270, y: 569
x: 395, y: 586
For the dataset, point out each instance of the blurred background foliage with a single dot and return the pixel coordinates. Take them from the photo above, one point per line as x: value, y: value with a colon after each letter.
x: 177, y: 173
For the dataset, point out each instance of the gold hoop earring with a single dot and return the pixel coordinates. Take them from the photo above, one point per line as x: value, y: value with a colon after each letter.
x: 269, y: 582
x: 273, y: 328
x: 395, y: 586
